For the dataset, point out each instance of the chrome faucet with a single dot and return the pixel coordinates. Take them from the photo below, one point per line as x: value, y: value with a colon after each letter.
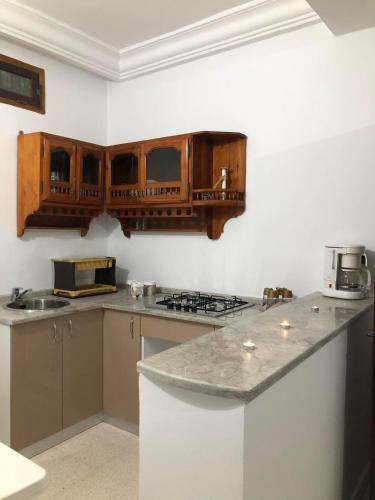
x: 19, y: 292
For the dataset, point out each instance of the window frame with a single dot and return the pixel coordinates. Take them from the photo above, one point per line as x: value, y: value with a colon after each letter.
x: 37, y: 76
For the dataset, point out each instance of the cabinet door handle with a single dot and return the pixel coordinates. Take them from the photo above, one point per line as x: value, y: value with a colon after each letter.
x: 70, y: 323
x: 371, y: 334
x: 132, y: 328
x: 54, y: 337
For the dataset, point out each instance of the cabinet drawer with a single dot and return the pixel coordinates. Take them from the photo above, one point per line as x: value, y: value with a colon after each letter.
x: 170, y: 329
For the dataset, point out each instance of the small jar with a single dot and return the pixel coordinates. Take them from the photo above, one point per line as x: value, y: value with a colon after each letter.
x: 136, y: 289
x: 149, y: 288
x: 128, y: 286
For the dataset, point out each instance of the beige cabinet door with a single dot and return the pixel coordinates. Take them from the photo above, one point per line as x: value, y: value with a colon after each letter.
x: 174, y: 330
x: 121, y: 351
x: 36, y: 385
x: 82, y: 366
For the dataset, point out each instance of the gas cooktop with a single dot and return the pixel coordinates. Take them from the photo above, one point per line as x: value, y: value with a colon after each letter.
x: 201, y: 303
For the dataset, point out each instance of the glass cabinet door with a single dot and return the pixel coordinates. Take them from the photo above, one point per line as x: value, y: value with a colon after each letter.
x: 59, y: 170
x: 90, y: 175
x: 165, y: 171
x: 123, y: 177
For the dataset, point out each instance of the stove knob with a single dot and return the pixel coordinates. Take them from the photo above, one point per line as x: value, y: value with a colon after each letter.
x: 187, y: 308
x: 178, y: 307
x: 194, y: 309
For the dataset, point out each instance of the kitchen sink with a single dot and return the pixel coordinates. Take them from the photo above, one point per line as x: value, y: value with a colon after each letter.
x: 36, y: 304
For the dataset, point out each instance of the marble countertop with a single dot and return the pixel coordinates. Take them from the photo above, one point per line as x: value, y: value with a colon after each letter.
x: 217, y: 364
x: 120, y: 301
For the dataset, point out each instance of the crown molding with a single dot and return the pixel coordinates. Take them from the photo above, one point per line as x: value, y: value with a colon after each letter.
x: 34, y: 29
x: 249, y: 22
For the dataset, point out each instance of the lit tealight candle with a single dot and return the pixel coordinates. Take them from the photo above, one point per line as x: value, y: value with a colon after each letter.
x: 285, y: 325
x: 249, y: 346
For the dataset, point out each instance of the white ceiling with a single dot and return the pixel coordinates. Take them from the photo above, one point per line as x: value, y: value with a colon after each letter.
x: 344, y: 16
x: 125, y: 22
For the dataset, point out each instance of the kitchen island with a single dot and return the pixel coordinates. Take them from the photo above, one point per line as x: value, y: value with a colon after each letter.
x: 287, y: 421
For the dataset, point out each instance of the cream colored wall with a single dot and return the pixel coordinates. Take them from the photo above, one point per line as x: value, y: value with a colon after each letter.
x: 75, y: 107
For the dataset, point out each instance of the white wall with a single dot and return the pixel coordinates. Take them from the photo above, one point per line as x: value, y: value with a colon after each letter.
x: 286, y: 444
x: 306, y: 101
x: 75, y: 107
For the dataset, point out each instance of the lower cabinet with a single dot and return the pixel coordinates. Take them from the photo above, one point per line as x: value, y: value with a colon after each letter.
x: 121, y: 352
x: 36, y: 382
x: 174, y: 330
x: 56, y: 375
x: 82, y: 366
x: 63, y: 370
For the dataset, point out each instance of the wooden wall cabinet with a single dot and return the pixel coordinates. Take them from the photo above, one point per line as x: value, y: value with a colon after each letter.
x: 60, y: 182
x: 56, y: 375
x: 190, y: 182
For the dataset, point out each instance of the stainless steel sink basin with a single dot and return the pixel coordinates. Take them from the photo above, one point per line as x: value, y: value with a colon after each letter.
x: 36, y: 304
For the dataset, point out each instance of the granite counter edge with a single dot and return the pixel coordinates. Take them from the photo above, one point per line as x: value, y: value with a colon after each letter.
x: 244, y: 395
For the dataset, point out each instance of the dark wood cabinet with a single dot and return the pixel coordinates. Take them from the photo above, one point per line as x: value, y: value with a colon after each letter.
x: 123, y: 177
x: 190, y: 182
x: 59, y: 170
x: 60, y: 182
x: 90, y: 190
x: 165, y: 172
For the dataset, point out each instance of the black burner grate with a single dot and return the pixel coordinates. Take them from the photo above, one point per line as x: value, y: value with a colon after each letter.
x: 202, y: 303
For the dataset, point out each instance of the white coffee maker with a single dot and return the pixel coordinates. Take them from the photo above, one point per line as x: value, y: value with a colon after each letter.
x: 346, y: 275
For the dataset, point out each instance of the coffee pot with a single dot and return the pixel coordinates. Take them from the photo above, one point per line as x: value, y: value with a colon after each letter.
x: 346, y: 275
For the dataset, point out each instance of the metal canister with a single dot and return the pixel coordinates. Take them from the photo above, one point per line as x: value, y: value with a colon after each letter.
x: 149, y: 288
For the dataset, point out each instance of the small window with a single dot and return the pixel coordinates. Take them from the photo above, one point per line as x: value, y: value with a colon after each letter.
x: 21, y: 84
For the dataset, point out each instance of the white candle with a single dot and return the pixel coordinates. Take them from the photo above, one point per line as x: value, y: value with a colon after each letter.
x: 285, y: 325
x: 249, y: 346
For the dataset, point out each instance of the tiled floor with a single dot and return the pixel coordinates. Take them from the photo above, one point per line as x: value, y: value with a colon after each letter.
x: 99, y: 464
